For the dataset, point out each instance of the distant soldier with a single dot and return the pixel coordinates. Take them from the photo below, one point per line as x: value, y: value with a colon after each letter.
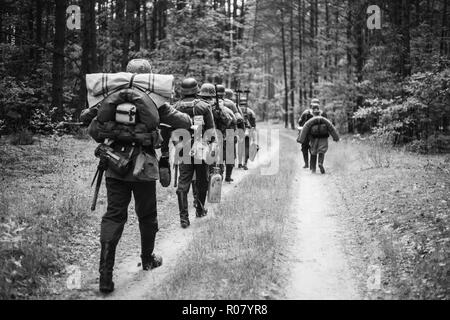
x: 250, y: 124
x: 231, y: 109
x: 318, y: 129
x: 306, y: 115
x: 198, y: 110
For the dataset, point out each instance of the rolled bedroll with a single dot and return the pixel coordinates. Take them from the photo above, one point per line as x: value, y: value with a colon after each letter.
x: 100, y: 85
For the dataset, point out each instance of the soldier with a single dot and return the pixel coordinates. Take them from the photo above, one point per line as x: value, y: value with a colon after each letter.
x: 119, y: 190
x: 230, y: 108
x: 223, y: 117
x: 318, y: 129
x: 250, y: 125
x: 193, y: 107
x: 306, y: 115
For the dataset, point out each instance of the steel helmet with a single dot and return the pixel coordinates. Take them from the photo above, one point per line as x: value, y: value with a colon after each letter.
x: 220, y: 91
x: 139, y: 66
x: 207, y: 90
x: 229, y: 93
x: 189, y: 86
x: 315, y: 102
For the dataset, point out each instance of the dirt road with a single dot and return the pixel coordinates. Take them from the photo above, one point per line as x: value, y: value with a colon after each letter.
x: 131, y: 282
x: 318, y: 252
x: 316, y: 257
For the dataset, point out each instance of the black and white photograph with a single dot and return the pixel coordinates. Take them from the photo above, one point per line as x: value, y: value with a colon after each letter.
x: 241, y: 152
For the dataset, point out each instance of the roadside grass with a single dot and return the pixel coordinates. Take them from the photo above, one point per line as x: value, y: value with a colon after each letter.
x: 32, y: 236
x: 43, y: 209
x: 233, y: 255
x: 401, y: 211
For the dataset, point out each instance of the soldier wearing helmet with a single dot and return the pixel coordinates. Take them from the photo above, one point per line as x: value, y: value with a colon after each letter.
x: 139, y: 66
x: 250, y: 124
x: 120, y: 188
x: 307, y: 115
x: 231, y: 108
x: 197, y: 110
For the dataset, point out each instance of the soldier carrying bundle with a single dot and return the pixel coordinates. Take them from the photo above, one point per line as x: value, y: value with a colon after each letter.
x: 124, y: 115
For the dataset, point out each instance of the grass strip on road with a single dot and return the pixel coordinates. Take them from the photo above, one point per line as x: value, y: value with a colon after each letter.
x: 232, y: 257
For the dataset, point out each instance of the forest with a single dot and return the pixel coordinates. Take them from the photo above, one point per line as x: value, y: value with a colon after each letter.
x: 391, y: 81
x: 381, y: 71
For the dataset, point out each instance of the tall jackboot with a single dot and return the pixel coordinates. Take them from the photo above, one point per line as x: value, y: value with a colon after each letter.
x: 148, y: 235
x: 306, y: 158
x: 228, y: 172
x: 107, y: 257
x: 195, y: 192
x: 321, y: 159
x: 183, y: 207
x: 313, y: 163
x: 200, y: 210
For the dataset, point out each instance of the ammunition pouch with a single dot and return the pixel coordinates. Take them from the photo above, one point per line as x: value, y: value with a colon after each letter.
x: 130, y: 134
x: 146, y: 167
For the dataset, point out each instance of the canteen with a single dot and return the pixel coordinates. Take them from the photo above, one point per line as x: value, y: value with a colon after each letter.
x: 215, y: 186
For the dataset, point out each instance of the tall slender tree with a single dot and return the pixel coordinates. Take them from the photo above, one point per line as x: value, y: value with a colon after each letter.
x: 58, y: 58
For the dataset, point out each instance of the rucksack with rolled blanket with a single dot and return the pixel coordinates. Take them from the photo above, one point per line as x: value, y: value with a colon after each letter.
x: 127, y: 122
x: 319, y: 130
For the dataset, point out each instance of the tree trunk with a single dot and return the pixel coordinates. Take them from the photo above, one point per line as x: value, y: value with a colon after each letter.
x: 58, y: 59
x: 137, y: 26
x: 89, y: 59
x: 292, y: 86
x: 127, y: 28
x: 301, y: 20
x: 444, y: 31
x: 38, y: 29
x: 405, y: 63
x: 349, y: 41
x: 286, y: 89
x: 144, y: 12
x: 154, y: 26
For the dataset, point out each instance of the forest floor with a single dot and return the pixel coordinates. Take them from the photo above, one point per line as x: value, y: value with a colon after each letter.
x: 375, y: 226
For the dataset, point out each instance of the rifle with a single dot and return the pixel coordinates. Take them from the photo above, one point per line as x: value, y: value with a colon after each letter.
x: 217, y: 98
x: 247, y: 91
x: 99, y: 176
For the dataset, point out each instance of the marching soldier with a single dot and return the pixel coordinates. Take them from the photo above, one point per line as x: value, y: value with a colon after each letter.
x: 193, y: 107
x: 307, y: 115
x: 223, y: 117
x: 318, y: 129
x: 230, y: 108
x: 119, y: 190
x: 250, y: 125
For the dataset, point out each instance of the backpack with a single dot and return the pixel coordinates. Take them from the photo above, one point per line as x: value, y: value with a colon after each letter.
x: 319, y: 130
x: 197, y: 120
x: 135, y: 122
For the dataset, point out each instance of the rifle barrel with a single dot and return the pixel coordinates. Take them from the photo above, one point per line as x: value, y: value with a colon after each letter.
x: 97, y: 189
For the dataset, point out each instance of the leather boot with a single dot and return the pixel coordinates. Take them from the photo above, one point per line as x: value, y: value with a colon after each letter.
x: 107, y: 257
x: 306, y: 158
x: 194, y: 192
x: 228, y: 171
x: 151, y: 261
x: 183, y: 207
x: 313, y: 163
x: 321, y: 159
x: 200, y: 210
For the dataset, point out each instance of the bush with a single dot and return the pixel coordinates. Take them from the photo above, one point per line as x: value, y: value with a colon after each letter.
x: 438, y: 143
x: 23, y: 137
